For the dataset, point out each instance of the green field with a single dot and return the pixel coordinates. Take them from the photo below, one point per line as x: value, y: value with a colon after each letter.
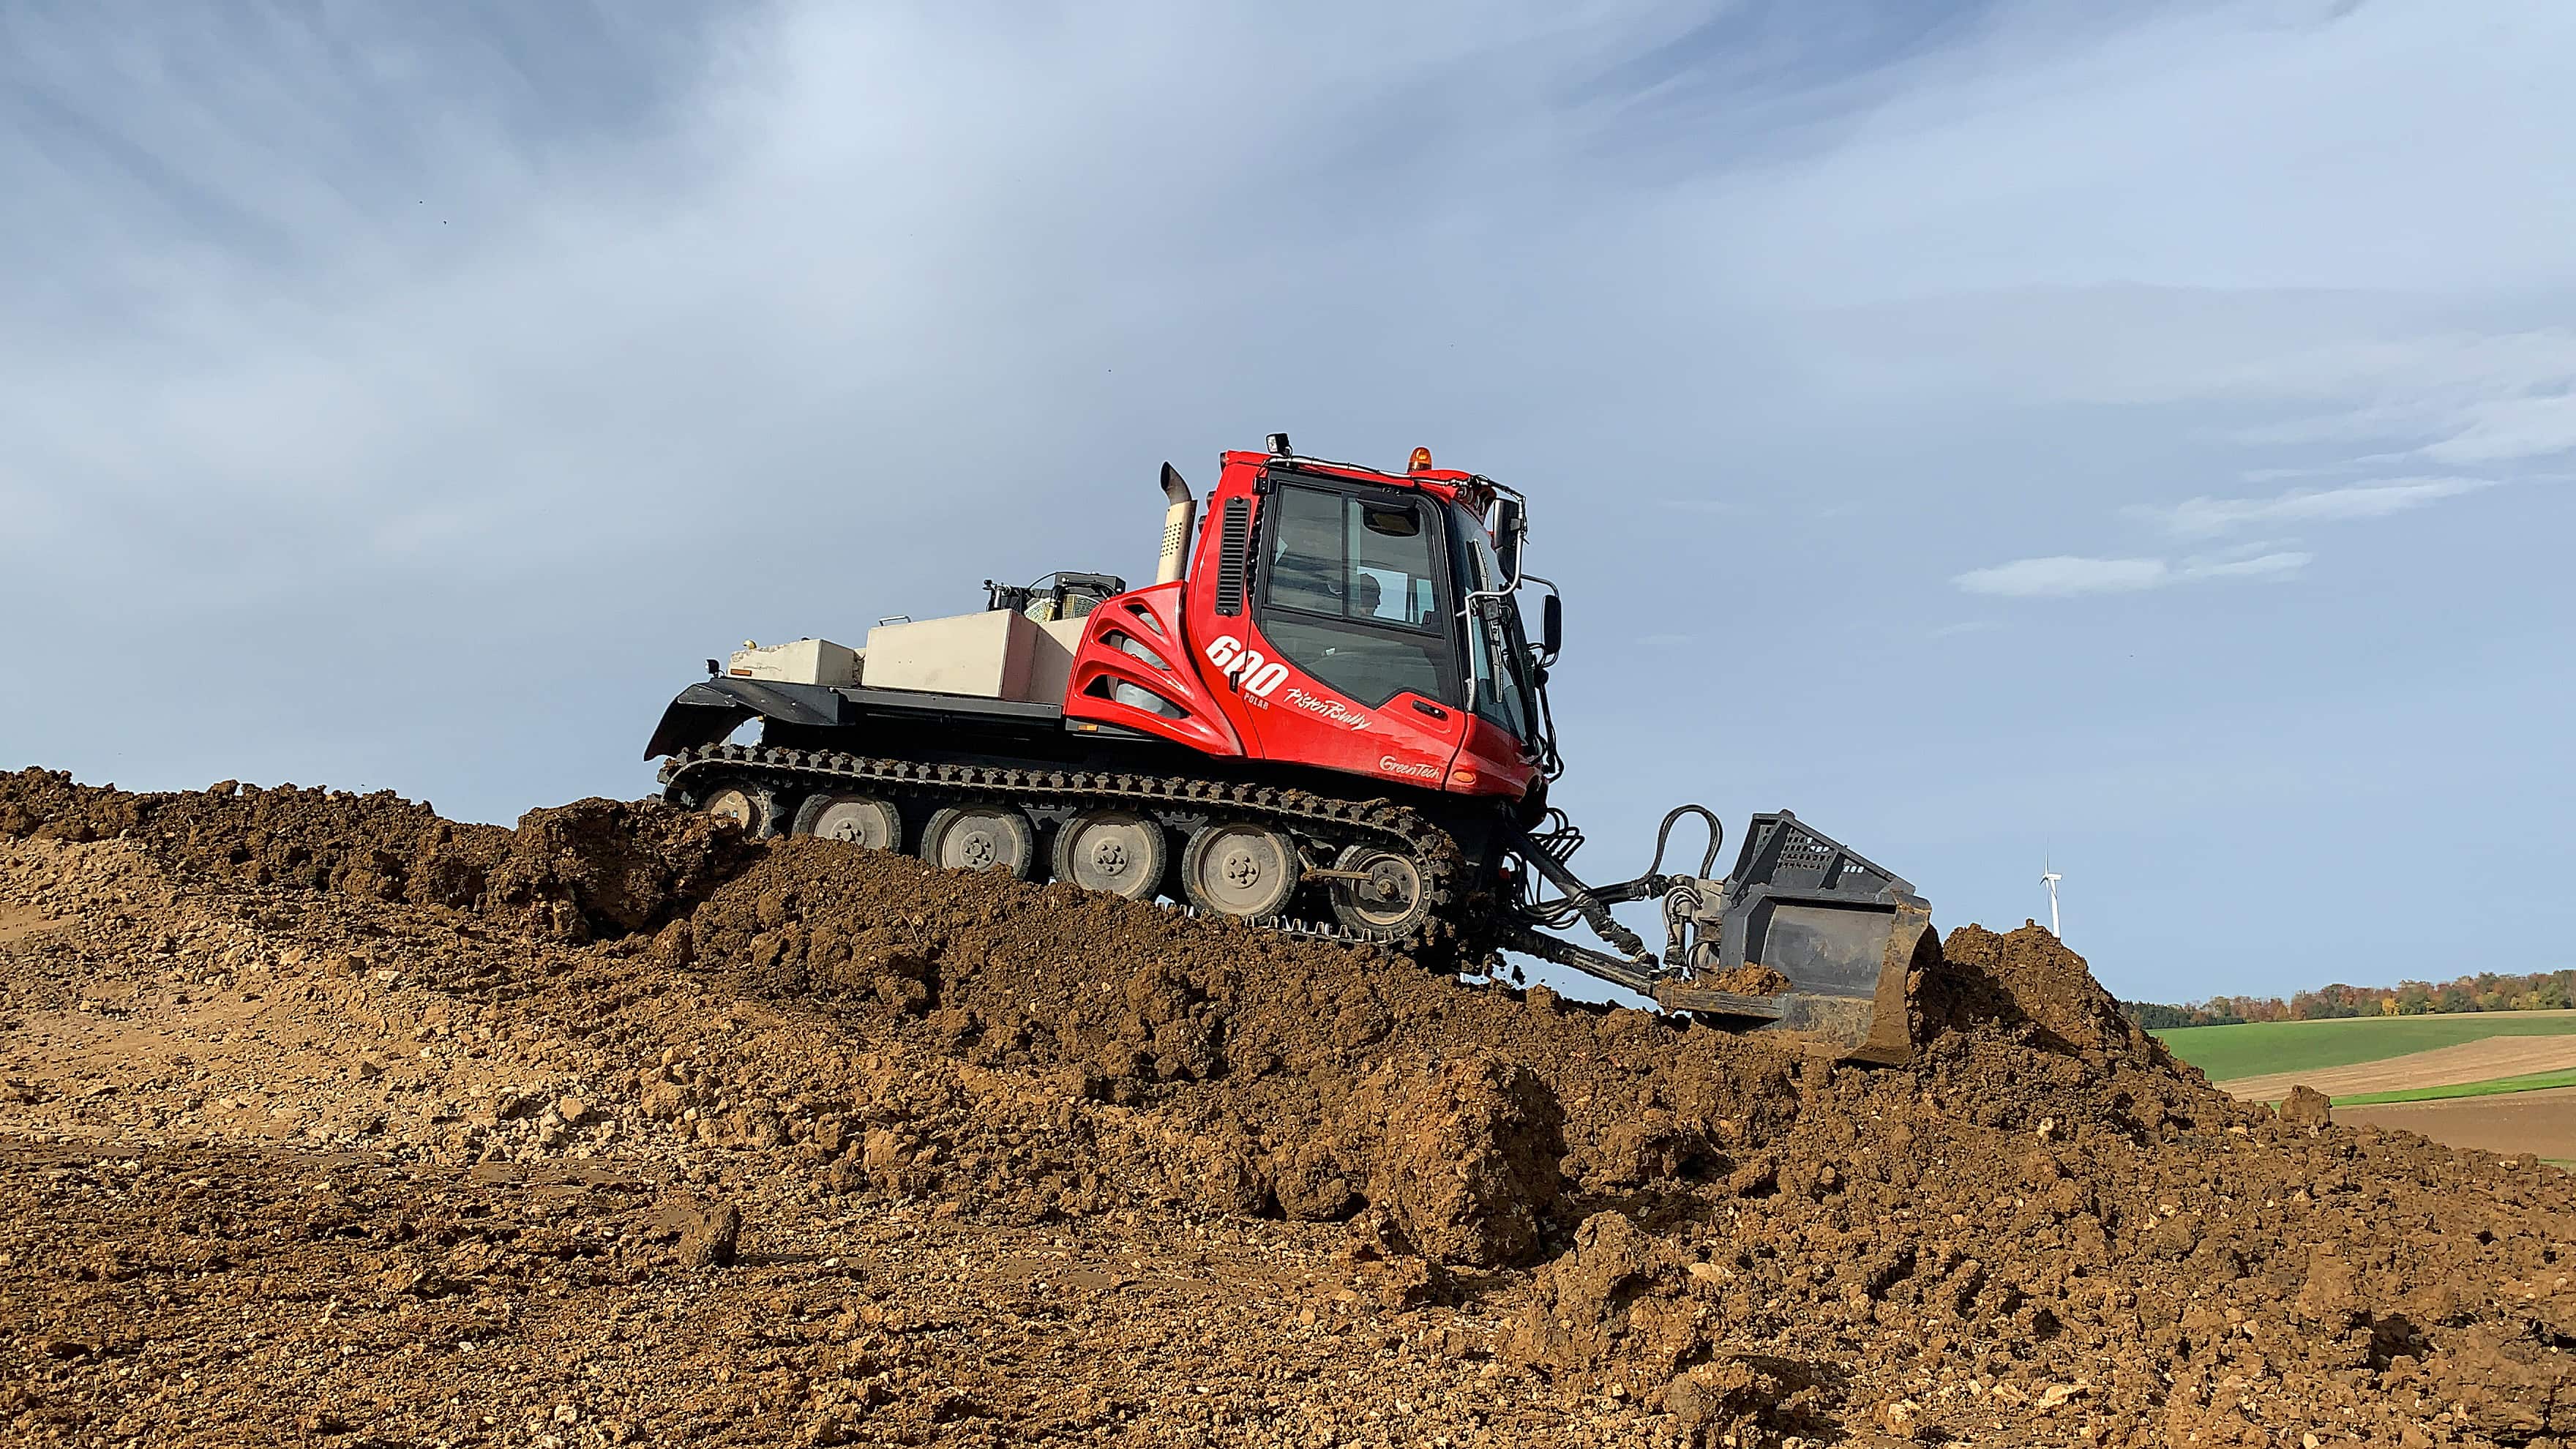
x: 2257, y: 1048
x: 2492, y: 1087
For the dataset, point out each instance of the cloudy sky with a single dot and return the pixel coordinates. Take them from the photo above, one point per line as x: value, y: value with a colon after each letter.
x: 1998, y: 432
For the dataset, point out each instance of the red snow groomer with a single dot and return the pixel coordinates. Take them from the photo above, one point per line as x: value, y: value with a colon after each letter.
x: 1324, y: 717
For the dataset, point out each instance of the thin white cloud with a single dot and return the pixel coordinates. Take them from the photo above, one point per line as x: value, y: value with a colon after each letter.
x: 2261, y: 566
x: 2206, y: 517
x: 2447, y: 398
x: 2507, y: 429
x: 2371, y: 377
x: 2062, y: 575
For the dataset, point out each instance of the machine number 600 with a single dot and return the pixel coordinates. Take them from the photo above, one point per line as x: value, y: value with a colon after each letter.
x: 1258, y: 676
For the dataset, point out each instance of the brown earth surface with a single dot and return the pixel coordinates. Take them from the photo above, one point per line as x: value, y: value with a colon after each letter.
x: 2469, y: 1061
x: 328, y: 1122
x: 2542, y: 1122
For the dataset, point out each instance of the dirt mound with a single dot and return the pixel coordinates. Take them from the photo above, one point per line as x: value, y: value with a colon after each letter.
x: 378, y: 846
x: 2028, y: 979
x: 1309, y: 1070
x: 1519, y: 1219
x: 592, y: 868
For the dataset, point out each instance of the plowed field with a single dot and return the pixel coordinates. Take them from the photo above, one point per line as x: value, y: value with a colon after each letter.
x: 2474, y: 1061
x: 2538, y: 1122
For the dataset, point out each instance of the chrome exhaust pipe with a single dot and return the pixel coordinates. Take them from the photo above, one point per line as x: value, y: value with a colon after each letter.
x: 1178, y: 520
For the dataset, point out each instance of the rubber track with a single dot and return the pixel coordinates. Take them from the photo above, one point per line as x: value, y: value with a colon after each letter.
x: 1431, y: 848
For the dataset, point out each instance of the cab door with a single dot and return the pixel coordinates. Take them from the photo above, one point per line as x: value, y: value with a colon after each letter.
x: 1348, y: 661
x: 1499, y: 755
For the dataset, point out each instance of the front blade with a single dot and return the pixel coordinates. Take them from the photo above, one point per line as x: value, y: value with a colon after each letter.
x: 1823, y: 937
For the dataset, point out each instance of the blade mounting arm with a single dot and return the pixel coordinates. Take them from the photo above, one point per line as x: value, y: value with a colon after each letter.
x: 1595, y: 905
x: 1669, y: 991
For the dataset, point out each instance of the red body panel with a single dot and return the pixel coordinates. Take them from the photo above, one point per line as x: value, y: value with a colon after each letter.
x: 1236, y: 694
x: 1152, y: 619
x: 1489, y: 762
x: 1291, y: 717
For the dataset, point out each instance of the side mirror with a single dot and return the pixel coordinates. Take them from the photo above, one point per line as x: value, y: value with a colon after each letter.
x: 1551, y: 626
x: 1510, y: 523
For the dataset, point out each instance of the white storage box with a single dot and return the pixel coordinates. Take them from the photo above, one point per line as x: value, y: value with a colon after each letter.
x: 806, y: 661
x: 1051, y: 663
x: 987, y: 655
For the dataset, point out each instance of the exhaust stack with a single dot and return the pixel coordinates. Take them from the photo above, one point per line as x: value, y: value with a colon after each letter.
x: 1178, y: 520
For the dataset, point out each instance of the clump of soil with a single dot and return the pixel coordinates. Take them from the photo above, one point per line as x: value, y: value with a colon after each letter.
x: 1751, y: 978
x: 822, y: 1144
x: 1463, y: 1155
x: 607, y: 868
x: 2307, y: 1107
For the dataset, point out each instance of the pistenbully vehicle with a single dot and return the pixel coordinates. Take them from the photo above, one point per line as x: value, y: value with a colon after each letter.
x: 1324, y: 717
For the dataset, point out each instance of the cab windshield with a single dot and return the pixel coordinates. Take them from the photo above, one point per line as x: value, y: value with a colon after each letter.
x: 1497, y: 657
x: 1352, y: 593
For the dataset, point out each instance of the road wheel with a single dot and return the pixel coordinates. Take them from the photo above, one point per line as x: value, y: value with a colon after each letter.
x: 752, y: 806
x: 847, y: 815
x: 1239, y: 869
x: 1113, y: 851
x: 1392, y: 901
x: 980, y: 837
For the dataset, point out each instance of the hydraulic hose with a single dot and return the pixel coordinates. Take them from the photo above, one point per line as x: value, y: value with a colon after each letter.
x: 1716, y: 838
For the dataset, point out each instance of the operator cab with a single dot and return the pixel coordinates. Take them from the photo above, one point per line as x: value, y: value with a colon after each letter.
x: 1380, y: 585
x: 1331, y: 617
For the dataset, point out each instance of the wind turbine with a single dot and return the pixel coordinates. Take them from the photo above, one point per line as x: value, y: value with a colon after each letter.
x: 2050, y: 878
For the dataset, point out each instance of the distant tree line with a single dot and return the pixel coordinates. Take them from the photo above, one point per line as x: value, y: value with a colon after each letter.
x: 2485, y: 991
